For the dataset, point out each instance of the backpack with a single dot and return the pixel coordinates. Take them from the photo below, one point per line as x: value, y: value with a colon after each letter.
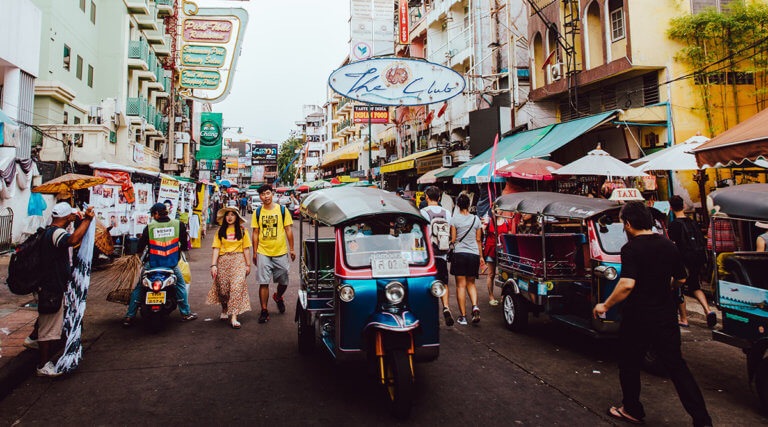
x: 24, y: 272
x: 693, y: 245
x: 258, y: 214
x: 439, y: 231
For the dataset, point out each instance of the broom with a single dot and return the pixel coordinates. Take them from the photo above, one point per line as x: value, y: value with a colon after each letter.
x: 120, y: 278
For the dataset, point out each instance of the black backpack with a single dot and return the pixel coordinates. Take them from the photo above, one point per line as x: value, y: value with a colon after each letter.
x: 693, y: 245
x: 25, y: 274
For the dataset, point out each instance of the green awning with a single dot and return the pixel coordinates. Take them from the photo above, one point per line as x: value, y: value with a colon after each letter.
x: 449, y: 172
x: 182, y: 178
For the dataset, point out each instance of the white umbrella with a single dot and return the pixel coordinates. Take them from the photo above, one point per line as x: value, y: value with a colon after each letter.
x: 600, y: 163
x: 675, y: 158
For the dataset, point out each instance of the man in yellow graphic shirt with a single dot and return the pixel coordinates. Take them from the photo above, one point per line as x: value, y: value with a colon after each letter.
x: 273, y: 240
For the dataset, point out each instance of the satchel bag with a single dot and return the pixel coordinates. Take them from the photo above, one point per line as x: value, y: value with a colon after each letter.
x: 452, y: 247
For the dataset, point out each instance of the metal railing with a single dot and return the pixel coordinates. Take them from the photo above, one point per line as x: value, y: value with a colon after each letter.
x: 136, y: 107
x: 6, y: 231
x: 138, y: 49
x: 164, y: 2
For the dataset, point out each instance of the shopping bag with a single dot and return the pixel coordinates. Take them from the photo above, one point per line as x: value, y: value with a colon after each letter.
x: 185, y: 271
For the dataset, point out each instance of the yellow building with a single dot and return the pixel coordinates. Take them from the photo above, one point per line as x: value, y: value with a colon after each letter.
x: 592, y: 56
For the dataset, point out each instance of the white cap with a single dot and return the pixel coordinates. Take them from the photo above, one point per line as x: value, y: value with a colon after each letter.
x: 62, y: 209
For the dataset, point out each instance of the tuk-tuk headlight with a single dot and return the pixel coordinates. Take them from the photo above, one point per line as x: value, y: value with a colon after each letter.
x: 437, y: 289
x: 346, y: 293
x: 395, y: 292
x: 606, y: 272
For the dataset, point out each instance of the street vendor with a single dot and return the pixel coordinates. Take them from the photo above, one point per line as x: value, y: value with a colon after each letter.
x: 167, y: 258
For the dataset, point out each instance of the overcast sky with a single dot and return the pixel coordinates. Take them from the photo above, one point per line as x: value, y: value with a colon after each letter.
x: 290, y: 49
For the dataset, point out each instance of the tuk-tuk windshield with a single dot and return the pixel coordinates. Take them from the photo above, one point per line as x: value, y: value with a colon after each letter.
x: 395, y: 236
x: 611, y: 233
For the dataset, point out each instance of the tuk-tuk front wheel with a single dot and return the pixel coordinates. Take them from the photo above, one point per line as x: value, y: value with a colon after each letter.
x: 515, y: 311
x: 398, y: 382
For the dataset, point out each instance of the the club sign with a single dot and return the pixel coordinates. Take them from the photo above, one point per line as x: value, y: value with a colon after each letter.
x: 397, y: 81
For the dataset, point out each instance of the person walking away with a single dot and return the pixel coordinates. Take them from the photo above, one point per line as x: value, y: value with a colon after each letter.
x: 230, y: 265
x: 440, y: 235
x: 56, y: 274
x: 243, y: 205
x: 651, y: 268
x: 693, y: 249
x: 273, y: 240
x: 497, y: 226
x: 165, y: 238
x: 466, y: 261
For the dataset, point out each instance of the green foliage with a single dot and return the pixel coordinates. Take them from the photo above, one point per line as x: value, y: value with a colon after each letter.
x: 286, y: 153
x: 709, y: 36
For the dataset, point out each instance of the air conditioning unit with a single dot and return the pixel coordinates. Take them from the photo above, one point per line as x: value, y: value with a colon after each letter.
x: 448, y: 161
x: 556, y: 72
x: 94, y: 114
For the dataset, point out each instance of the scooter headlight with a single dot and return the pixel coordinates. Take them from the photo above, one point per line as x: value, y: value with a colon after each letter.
x: 437, y: 289
x: 395, y: 292
x: 606, y: 272
x: 346, y: 293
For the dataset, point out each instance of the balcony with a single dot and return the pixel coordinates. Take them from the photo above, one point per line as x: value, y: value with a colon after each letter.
x: 148, y: 20
x: 136, y: 107
x: 137, y: 6
x: 164, y: 6
x: 156, y: 36
x: 138, y: 54
x: 164, y: 47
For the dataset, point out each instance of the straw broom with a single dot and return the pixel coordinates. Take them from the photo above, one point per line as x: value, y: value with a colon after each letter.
x: 120, y: 278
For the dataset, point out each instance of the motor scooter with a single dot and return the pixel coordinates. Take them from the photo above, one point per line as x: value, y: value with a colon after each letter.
x: 158, y: 296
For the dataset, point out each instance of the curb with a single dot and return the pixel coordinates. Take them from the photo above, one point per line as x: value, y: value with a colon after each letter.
x: 17, y: 371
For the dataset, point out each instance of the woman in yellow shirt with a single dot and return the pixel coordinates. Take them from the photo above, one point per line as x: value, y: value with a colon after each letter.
x: 230, y: 265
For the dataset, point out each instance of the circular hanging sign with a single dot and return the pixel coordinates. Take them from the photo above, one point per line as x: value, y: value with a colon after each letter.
x: 396, y: 82
x: 209, y: 133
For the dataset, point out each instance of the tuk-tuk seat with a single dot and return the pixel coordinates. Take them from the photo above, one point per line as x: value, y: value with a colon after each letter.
x: 560, y: 257
x: 324, y: 269
x: 749, y: 269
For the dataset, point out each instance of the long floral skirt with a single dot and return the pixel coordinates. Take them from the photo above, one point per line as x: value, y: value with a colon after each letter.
x: 230, y: 289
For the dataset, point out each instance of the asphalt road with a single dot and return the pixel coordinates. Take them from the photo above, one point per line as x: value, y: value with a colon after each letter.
x: 204, y: 372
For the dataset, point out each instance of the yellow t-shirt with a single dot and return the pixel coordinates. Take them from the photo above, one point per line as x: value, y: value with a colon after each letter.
x: 230, y: 245
x: 272, y: 239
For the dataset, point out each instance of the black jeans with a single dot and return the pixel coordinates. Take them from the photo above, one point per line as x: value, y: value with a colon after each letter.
x: 635, y: 338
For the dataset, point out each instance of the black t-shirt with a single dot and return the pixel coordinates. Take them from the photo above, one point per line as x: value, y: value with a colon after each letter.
x: 56, y: 254
x: 652, y: 261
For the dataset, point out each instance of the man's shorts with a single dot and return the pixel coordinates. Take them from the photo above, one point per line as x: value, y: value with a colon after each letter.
x: 49, y: 325
x: 272, y: 267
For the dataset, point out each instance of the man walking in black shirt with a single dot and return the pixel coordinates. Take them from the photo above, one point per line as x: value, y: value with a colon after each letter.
x: 650, y: 262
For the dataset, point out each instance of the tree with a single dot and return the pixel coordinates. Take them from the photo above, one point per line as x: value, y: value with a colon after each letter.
x: 285, y: 156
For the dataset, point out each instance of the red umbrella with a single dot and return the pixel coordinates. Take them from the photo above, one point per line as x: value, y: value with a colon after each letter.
x: 282, y: 189
x: 335, y: 181
x: 302, y: 188
x: 533, y: 168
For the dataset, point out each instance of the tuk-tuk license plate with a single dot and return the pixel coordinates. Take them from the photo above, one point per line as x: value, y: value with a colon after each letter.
x: 389, y: 265
x: 156, y: 297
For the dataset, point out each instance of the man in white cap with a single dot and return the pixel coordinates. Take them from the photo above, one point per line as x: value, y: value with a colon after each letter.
x: 57, y: 272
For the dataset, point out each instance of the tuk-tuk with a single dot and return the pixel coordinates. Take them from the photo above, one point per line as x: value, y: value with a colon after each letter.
x: 741, y: 275
x: 572, y: 263
x: 370, y: 291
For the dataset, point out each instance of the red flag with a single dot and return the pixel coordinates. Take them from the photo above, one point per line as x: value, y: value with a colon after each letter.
x: 549, y: 58
x: 442, y: 110
x: 429, y: 118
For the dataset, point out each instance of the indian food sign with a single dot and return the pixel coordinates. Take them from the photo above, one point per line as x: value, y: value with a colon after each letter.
x: 397, y: 82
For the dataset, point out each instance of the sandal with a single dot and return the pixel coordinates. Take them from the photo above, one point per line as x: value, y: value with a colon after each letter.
x: 224, y: 316
x: 235, y: 324
x: 619, y: 415
x: 493, y: 302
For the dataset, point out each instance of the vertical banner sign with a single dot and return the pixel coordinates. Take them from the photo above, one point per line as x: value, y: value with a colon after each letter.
x: 169, y: 195
x: 210, y: 136
x: 405, y: 38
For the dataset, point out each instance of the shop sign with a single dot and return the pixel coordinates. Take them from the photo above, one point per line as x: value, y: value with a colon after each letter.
x: 428, y: 164
x: 203, y: 56
x: 396, y: 82
x: 207, y: 30
x: 405, y: 37
x: 138, y: 153
x: 461, y: 156
x: 200, y: 79
x: 209, y: 165
x: 230, y: 152
x: 358, y: 174
x: 340, y: 170
x: 232, y: 162
x: 347, y: 178
x: 264, y: 154
x: 210, y: 136
x: 378, y: 114
x: 244, y: 162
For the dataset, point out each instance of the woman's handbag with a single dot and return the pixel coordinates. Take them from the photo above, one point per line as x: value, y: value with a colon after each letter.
x: 453, y: 245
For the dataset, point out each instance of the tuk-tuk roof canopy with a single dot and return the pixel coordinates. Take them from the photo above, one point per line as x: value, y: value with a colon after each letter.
x: 741, y: 201
x: 558, y: 205
x: 334, y: 206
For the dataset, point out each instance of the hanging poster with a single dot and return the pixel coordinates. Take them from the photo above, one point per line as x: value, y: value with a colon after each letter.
x: 104, y: 196
x: 140, y: 220
x: 169, y: 194
x: 145, y: 198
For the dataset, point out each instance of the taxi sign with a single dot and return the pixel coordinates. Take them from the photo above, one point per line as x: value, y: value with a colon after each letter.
x: 626, y: 195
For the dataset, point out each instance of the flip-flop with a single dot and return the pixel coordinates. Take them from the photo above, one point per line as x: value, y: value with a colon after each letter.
x: 235, y: 324
x: 683, y: 325
x: 622, y: 417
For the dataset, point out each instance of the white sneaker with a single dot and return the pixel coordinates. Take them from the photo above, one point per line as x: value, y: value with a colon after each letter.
x: 30, y: 343
x: 48, y: 370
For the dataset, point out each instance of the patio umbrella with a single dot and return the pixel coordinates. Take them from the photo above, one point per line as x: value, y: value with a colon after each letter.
x: 675, y: 158
x: 316, y: 185
x: 302, y: 187
x: 335, y: 181
x: 68, y: 183
x: 599, y: 163
x: 282, y: 189
x: 533, y: 168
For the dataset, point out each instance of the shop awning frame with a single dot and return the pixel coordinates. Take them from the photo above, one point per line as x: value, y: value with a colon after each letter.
x: 347, y: 152
x: 407, y: 162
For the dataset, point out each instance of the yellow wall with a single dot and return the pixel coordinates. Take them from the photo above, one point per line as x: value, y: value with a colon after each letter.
x: 595, y: 31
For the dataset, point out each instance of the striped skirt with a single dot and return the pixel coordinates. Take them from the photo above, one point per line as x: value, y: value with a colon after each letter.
x: 230, y: 289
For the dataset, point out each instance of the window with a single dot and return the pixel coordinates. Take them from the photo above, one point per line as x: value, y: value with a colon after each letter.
x: 66, y: 117
x: 93, y: 11
x: 77, y: 120
x: 67, y: 57
x: 617, y: 24
x: 90, y: 76
x: 82, y: 5
x: 79, y: 69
